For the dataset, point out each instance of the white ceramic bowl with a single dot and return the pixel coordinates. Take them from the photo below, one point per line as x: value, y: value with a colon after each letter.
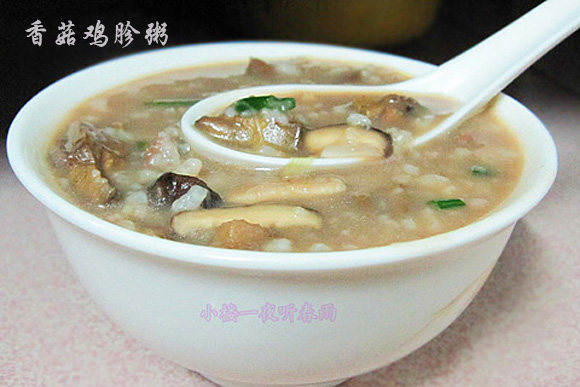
x: 388, y: 300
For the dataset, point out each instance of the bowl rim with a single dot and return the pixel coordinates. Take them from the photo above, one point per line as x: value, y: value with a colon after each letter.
x: 260, y: 260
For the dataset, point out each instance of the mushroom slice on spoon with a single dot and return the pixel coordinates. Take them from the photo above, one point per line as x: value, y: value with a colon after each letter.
x: 347, y: 141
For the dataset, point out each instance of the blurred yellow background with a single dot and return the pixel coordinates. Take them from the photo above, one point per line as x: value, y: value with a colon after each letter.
x: 369, y: 23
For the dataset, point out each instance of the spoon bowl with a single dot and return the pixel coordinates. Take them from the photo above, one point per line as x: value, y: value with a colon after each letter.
x: 460, y: 87
x: 215, y: 104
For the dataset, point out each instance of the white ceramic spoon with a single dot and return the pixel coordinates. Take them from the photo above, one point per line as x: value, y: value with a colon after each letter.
x: 459, y: 87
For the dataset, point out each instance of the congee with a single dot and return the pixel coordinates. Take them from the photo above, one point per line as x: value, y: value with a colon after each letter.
x: 121, y: 156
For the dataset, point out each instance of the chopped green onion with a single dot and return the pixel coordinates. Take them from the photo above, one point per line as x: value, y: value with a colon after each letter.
x: 446, y: 204
x: 265, y: 102
x: 297, y: 166
x: 171, y: 102
x: 140, y: 145
x: 480, y: 170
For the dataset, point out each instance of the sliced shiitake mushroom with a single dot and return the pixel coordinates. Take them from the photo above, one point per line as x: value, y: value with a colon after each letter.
x: 171, y: 186
x: 85, y: 176
x: 239, y: 234
x: 278, y: 216
x: 92, y: 156
x: 251, y: 132
x: 86, y: 180
x: 347, y: 141
x: 390, y: 110
x: 101, y: 140
x: 287, y: 190
x: 260, y: 69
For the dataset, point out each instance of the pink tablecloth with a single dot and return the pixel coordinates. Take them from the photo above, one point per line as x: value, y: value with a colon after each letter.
x: 522, y: 329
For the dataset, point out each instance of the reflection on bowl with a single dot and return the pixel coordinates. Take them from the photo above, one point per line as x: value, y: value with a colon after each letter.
x: 182, y: 300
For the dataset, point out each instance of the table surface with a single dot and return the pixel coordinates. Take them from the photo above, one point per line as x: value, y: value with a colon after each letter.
x: 522, y: 328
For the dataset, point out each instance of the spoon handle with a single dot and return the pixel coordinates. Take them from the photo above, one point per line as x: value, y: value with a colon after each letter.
x: 481, y: 72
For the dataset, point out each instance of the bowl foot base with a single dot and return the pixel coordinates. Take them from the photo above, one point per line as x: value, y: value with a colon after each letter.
x: 232, y: 383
